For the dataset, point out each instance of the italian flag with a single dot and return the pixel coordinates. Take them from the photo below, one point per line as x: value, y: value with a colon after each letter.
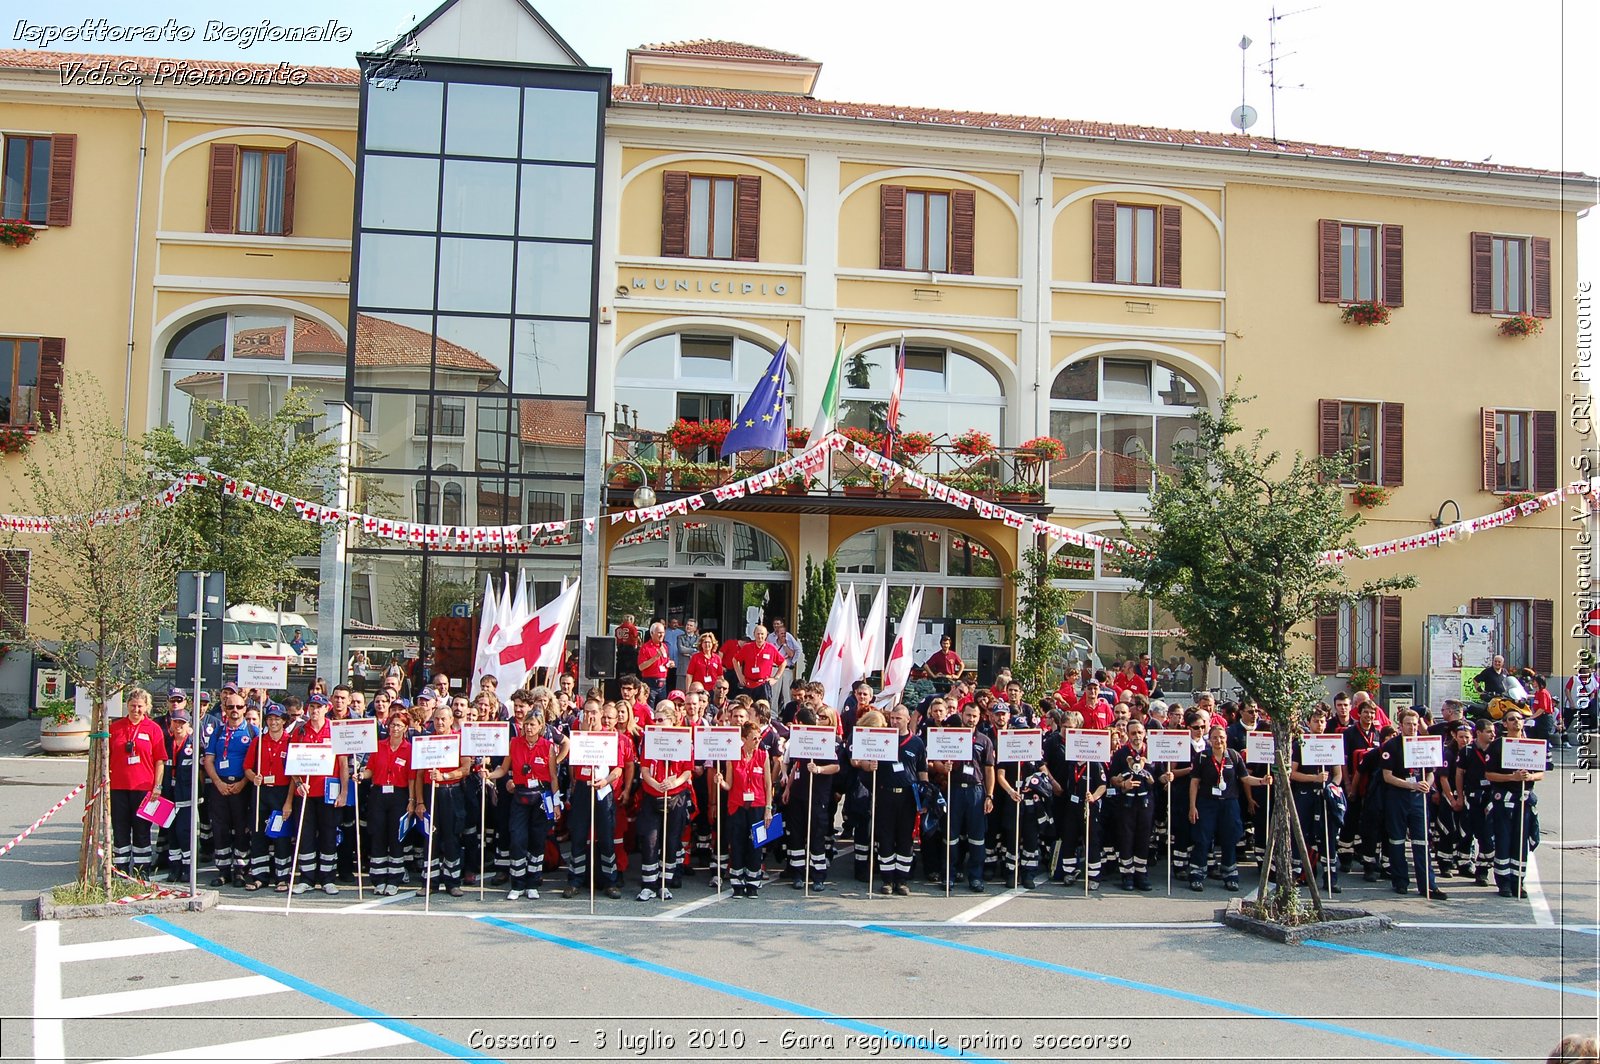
x: 828, y: 412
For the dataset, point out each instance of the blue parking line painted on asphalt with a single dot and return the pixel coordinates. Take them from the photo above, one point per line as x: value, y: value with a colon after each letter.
x: 327, y: 997
x: 1183, y: 995
x: 1455, y: 969
x: 919, y: 1043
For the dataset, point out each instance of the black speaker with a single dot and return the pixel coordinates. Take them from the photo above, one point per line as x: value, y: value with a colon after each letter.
x: 601, y: 655
x: 992, y: 657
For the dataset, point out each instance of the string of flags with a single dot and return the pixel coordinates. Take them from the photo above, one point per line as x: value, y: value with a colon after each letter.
x: 807, y: 464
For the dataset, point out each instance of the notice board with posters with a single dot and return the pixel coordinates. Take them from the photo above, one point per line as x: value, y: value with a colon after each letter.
x: 1456, y: 649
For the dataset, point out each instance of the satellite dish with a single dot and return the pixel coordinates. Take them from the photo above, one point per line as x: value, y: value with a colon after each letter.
x: 1243, y: 117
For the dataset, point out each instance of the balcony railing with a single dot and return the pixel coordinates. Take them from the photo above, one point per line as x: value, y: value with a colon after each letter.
x: 1006, y: 475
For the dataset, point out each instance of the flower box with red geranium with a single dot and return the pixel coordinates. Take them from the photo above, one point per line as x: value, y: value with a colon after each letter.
x: 1366, y: 312
x: 974, y: 443
x: 714, y: 432
x: 872, y: 441
x: 1363, y: 678
x: 1042, y: 449
x: 16, y: 234
x: 1369, y: 495
x: 1517, y: 498
x: 17, y: 441
x: 913, y: 444
x: 798, y: 438
x: 1521, y: 325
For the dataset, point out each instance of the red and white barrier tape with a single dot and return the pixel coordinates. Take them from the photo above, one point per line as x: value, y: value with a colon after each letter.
x: 54, y: 809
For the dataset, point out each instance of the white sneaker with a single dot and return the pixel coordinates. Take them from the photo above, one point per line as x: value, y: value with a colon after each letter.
x: 300, y: 887
x: 666, y: 895
x: 646, y: 895
x: 533, y: 895
x: 330, y: 888
x: 513, y: 895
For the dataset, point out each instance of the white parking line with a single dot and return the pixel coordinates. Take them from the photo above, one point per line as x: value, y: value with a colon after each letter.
x: 280, y: 1049
x: 49, y: 1032
x: 166, y: 997
x: 378, y: 903
x: 121, y: 947
x: 984, y: 906
x: 1536, y: 898
x: 684, y: 910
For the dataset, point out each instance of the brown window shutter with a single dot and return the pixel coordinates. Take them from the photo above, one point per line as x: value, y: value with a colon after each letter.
x: 1389, y: 635
x: 288, y: 190
x: 1544, y: 631
x: 674, y: 214
x: 1171, y: 247
x: 1393, y: 442
x: 220, y: 188
x: 891, y: 227
x: 1540, y: 254
x: 1327, y: 428
x: 1481, y: 607
x: 747, y: 218
x: 963, y: 230
x: 1104, y: 243
x: 52, y: 372
x: 1327, y: 260
x: 1327, y: 654
x: 1490, y: 470
x: 1394, y: 274
x: 1544, y: 450
x: 1482, y: 273
x: 13, y: 592
x: 63, y: 167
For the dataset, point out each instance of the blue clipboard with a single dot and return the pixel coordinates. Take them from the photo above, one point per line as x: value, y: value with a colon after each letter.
x: 762, y: 833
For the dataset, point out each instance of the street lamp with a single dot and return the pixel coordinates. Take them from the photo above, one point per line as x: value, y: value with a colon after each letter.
x: 644, y: 495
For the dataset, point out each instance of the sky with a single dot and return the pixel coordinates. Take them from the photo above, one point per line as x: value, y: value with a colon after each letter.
x: 1470, y: 80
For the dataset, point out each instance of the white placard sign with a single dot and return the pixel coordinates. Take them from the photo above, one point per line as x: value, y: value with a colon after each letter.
x: 1321, y: 751
x: 1425, y: 751
x: 485, y: 738
x: 263, y: 670
x: 1172, y: 748
x: 717, y: 743
x: 435, y: 751
x: 84, y: 698
x: 309, y: 759
x: 814, y: 741
x: 1522, y: 753
x: 357, y: 736
x: 949, y: 744
x: 593, y: 749
x: 1259, y: 747
x: 874, y: 744
x: 1088, y: 745
x: 662, y: 743
x: 1019, y: 744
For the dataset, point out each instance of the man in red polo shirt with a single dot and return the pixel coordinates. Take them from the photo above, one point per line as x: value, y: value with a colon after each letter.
x: 654, y: 660
x: 138, y: 755
x: 758, y: 661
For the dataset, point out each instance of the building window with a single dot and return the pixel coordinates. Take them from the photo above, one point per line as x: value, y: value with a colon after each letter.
x: 711, y: 217
x: 927, y: 246
x: 1370, y: 436
x: 1358, y: 623
x: 1523, y: 630
x: 19, y: 382
x: 1510, y: 275
x: 27, y: 179
x: 697, y: 377
x: 946, y: 391
x: 545, y: 506
x: 1513, y: 450
x: 1358, y: 263
x: 449, y: 416
x: 261, y: 191
x: 1358, y: 437
x: 967, y: 585
x: 1364, y: 634
x: 1507, y: 259
x: 1119, y: 418
x: 1136, y: 244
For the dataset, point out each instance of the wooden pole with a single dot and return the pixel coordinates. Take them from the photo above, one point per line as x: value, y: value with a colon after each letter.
x: 427, y: 858
x: 294, y: 862
x: 483, y: 827
x: 872, y: 828
x: 811, y: 790
x: 592, y: 870
x: 666, y: 803
x: 355, y: 793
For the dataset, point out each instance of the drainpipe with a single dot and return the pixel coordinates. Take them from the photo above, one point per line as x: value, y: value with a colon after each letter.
x: 133, y: 268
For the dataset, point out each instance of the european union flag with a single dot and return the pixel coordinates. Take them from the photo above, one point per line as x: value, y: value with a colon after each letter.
x: 761, y: 424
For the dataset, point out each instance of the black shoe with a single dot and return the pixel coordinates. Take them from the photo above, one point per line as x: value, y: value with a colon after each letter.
x: 1127, y: 883
x: 902, y: 891
x: 1437, y: 895
x: 1231, y: 885
x: 1197, y: 885
x: 820, y: 885
x: 935, y: 877
x: 1028, y: 883
x: 222, y: 881
x: 1142, y: 883
x: 613, y: 892
x: 1506, y: 892
x: 456, y: 892
x: 887, y: 888
x: 569, y: 891
x: 500, y: 879
x: 1402, y: 889
x: 1480, y: 881
x: 798, y: 884
x: 976, y: 886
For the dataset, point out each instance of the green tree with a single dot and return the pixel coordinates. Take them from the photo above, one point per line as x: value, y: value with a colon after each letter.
x: 95, y: 587
x: 1233, y: 551
x: 1041, y: 608
x: 254, y: 545
x: 822, y: 583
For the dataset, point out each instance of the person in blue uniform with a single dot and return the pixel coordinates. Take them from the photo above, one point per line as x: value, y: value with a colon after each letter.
x: 1512, y: 800
x: 971, y: 802
x: 232, y: 823
x: 1318, y: 802
x: 1472, y: 783
x: 1133, y: 775
x: 806, y: 794
x: 175, y: 787
x: 897, y: 784
x: 1216, y: 790
x: 1405, y: 804
x: 1083, y: 787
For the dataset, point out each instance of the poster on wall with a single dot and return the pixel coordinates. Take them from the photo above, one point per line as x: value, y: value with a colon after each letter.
x: 1456, y: 649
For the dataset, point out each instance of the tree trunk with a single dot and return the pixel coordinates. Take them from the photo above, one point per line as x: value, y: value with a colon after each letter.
x: 1289, y: 840
x: 95, y: 851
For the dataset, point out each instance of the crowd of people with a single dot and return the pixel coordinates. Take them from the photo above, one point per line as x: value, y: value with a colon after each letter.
x: 903, y: 820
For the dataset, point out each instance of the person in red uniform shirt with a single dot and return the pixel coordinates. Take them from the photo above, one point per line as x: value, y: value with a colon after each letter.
x: 749, y: 790
x: 758, y: 661
x: 654, y: 662
x: 1129, y: 681
x: 1097, y: 713
x: 666, y: 786
x: 529, y: 769
x: 138, y: 755
x: 944, y: 665
x: 706, y: 666
x: 449, y: 814
x: 321, y: 799
x: 393, y: 796
x: 269, y: 857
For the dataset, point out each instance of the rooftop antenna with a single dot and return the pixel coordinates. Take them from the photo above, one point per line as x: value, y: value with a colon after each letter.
x: 1244, y: 116
x: 1273, y: 85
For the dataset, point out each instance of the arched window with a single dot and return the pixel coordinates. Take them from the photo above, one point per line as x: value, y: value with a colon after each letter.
x: 697, y: 376
x: 946, y: 391
x: 701, y: 544
x: 1118, y: 610
x: 1116, y: 416
x: 961, y: 576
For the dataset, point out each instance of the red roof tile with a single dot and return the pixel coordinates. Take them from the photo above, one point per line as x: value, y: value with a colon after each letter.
x: 176, y: 69
x: 380, y: 342
x: 553, y: 422
x: 779, y: 103
x: 723, y: 50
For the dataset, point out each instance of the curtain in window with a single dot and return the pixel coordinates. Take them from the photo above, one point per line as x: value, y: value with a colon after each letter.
x: 276, y: 164
x: 250, y: 192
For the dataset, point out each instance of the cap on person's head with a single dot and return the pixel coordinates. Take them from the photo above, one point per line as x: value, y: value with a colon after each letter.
x: 204, y: 696
x: 318, y: 699
x: 677, y: 696
x: 231, y: 686
x: 177, y: 694
x: 178, y: 715
x: 403, y: 703
x: 427, y: 694
x: 275, y: 710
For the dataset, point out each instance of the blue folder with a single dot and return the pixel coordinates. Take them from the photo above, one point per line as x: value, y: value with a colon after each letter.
x: 761, y: 833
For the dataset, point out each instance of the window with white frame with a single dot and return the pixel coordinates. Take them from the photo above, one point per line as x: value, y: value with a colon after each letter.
x: 1120, y: 418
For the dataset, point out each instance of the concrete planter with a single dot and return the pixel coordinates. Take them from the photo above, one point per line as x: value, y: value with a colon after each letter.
x: 1340, y: 920
x: 49, y: 910
x: 71, y: 737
